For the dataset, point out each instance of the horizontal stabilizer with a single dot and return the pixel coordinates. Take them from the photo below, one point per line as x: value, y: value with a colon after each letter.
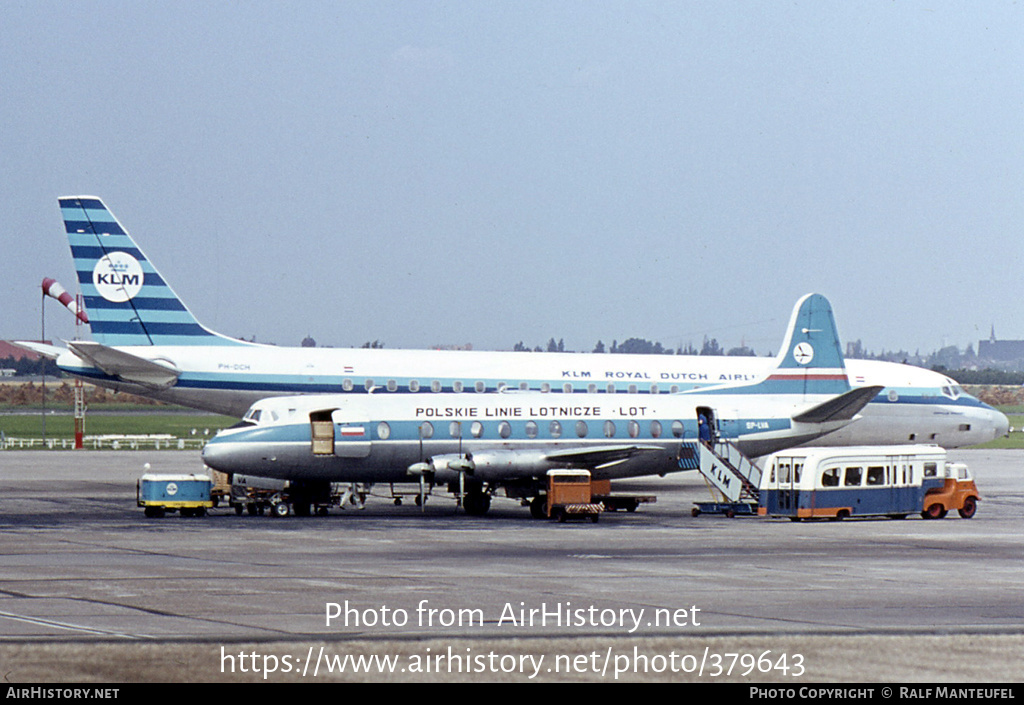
x: 44, y: 349
x: 841, y: 408
x: 594, y: 457
x: 128, y: 367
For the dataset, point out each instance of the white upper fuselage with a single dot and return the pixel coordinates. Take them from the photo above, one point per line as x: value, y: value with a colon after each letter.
x: 916, y: 405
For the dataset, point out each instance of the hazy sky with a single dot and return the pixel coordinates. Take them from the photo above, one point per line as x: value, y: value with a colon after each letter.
x: 490, y: 172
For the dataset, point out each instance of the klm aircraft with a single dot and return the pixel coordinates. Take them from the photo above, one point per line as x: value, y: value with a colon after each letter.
x: 477, y: 444
x: 145, y: 341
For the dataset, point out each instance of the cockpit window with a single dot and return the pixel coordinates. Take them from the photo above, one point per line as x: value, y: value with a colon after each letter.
x: 953, y: 391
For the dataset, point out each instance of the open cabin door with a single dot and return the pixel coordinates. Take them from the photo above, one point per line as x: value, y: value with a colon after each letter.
x: 342, y: 439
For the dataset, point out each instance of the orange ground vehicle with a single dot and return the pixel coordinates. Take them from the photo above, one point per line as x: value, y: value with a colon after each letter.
x: 569, y: 496
x: 957, y: 491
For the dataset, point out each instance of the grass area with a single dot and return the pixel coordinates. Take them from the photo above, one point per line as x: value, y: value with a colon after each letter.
x: 63, y: 426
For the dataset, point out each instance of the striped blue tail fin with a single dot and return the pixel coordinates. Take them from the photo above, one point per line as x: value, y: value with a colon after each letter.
x: 128, y: 302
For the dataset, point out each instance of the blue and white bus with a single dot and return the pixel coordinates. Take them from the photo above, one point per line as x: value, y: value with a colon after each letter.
x: 836, y: 483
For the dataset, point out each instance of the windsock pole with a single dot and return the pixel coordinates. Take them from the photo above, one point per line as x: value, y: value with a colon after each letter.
x: 53, y: 289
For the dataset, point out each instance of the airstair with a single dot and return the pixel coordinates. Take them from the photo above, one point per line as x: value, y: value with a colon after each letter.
x: 733, y: 474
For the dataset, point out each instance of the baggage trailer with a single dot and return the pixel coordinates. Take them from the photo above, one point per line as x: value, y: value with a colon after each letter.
x: 189, y: 495
x: 601, y: 491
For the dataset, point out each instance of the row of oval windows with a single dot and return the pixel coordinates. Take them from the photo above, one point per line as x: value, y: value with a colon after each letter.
x: 532, y: 429
x: 457, y: 386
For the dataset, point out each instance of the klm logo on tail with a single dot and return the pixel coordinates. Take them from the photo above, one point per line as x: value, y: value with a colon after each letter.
x: 128, y: 301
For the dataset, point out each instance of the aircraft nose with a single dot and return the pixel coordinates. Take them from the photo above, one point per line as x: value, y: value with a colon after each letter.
x: 1000, y: 423
x: 217, y: 456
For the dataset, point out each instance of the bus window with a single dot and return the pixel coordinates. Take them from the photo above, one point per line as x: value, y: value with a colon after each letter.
x: 876, y: 475
x: 784, y: 472
x: 930, y: 469
x: 798, y: 469
x: 853, y: 477
x: 830, y: 478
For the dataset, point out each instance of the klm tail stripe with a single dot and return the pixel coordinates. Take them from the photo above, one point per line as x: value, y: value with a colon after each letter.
x: 128, y: 301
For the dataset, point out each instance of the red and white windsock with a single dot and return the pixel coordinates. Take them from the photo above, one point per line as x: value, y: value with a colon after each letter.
x: 52, y: 288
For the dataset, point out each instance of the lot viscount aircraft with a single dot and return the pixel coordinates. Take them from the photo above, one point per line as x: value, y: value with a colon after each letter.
x: 477, y: 445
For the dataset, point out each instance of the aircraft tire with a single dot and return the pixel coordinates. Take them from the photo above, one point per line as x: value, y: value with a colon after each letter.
x: 280, y: 510
x: 538, y: 507
x: 476, y: 504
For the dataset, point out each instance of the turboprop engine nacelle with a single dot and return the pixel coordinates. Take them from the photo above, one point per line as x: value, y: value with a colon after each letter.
x: 487, y: 466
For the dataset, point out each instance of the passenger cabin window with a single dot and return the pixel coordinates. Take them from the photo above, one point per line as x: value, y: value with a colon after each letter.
x: 455, y: 429
x: 383, y: 431
x: 677, y: 429
x: 634, y: 429
x: 655, y: 429
x: 347, y: 385
x: 456, y: 386
x: 567, y: 388
x: 581, y: 429
x: 426, y: 430
x: 853, y: 477
x: 555, y: 429
x: 545, y: 387
x: 504, y: 429
x: 392, y: 385
x: 368, y: 384
x: 414, y: 385
x: 476, y: 429
x: 524, y: 386
x: 531, y: 429
x: 435, y: 386
x: 480, y: 387
x: 609, y: 429
x: 610, y: 389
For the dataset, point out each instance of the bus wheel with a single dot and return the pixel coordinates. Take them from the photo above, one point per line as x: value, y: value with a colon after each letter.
x: 969, y: 508
x: 934, y: 511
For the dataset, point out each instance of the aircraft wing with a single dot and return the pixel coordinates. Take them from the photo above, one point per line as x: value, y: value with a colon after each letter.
x: 841, y: 408
x: 44, y: 349
x: 128, y: 367
x: 596, y: 457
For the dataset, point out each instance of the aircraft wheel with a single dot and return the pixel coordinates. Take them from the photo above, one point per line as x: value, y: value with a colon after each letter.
x: 970, y: 507
x: 239, y: 509
x: 538, y: 507
x: 253, y: 510
x: 695, y: 512
x: 476, y: 504
x: 280, y: 509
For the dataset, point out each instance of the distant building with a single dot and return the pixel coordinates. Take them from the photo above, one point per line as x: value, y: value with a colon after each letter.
x: 1000, y: 350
